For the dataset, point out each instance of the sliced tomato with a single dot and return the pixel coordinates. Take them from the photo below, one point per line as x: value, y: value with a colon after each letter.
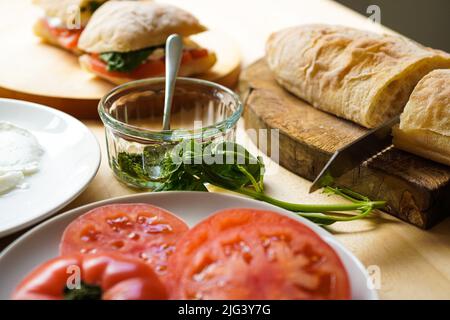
x: 93, y: 277
x: 67, y: 38
x: 150, y: 68
x: 136, y: 230
x: 186, y: 57
x: 199, y: 53
x: 254, y: 254
x: 69, y: 41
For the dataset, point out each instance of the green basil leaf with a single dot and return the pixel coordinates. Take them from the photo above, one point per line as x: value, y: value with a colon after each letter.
x: 125, y: 61
x: 225, y: 172
x: 91, y: 6
x: 94, y: 5
x: 183, y: 181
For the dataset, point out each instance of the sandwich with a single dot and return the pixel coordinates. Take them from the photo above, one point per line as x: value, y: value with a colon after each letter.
x: 125, y: 41
x: 425, y: 123
x: 64, y: 20
x: 357, y: 75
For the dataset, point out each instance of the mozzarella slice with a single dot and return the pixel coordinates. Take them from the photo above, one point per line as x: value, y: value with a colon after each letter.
x: 20, y: 155
x: 19, y: 149
x: 10, y: 180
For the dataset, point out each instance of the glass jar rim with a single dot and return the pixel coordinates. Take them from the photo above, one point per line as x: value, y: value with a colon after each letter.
x: 176, y: 134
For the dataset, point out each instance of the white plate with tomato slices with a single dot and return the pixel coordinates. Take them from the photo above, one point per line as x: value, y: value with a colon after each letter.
x: 298, y: 236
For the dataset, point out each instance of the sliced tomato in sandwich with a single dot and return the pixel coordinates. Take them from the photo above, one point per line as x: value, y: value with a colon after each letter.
x: 150, y: 68
x: 67, y: 38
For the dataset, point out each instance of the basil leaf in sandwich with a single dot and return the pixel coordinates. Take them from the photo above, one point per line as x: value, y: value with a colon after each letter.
x: 91, y: 6
x: 94, y: 5
x: 126, y: 61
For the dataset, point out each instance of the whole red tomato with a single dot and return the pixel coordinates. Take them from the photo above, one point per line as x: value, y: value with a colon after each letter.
x: 91, y: 277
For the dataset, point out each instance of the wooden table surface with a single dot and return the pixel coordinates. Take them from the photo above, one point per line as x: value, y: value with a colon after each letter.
x: 410, y: 263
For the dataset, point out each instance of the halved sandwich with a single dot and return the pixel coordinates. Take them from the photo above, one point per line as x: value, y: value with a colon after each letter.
x: 64, y: 20
x: 125, y: 41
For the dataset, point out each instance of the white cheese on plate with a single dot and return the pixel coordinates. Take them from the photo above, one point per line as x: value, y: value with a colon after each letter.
x: 20, y: 155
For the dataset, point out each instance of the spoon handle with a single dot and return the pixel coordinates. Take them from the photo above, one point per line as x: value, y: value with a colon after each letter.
x: 174, y: 49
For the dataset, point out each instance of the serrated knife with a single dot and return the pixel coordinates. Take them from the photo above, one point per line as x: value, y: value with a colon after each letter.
x: 355, y: 153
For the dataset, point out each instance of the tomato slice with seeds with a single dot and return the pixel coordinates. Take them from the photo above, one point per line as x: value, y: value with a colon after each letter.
x: 254, y: 254
x: 136, y: 230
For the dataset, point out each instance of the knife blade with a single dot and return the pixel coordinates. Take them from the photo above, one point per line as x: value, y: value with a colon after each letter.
x: 355, y: 153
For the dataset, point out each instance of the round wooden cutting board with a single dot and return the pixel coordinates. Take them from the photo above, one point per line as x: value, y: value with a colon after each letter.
x: 34, y: 71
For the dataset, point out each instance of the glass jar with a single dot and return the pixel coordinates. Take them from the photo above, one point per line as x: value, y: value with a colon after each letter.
x: 133, y: 113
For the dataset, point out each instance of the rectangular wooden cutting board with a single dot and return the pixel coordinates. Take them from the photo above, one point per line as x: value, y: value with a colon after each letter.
x: 416, y: 190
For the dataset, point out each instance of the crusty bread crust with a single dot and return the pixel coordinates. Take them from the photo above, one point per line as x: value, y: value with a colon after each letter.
x: 40, y: 29
x: 425, y: 123
x: 193, y: 67
x: 125, y: 26
x: 354, y: 74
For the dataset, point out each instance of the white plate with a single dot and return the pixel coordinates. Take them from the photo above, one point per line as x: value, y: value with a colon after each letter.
x: 41, y: 243
x: 70, y: 162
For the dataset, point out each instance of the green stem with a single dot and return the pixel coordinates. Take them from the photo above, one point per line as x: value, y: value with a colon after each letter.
x: 336, y: 218
x: 251, y: 178
x: 85, y: 292
x: 313, y: 208
x: 347, y: 194
x: 262, y: 171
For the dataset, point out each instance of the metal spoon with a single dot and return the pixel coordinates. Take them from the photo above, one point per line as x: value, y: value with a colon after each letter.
x: 174, y: 49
